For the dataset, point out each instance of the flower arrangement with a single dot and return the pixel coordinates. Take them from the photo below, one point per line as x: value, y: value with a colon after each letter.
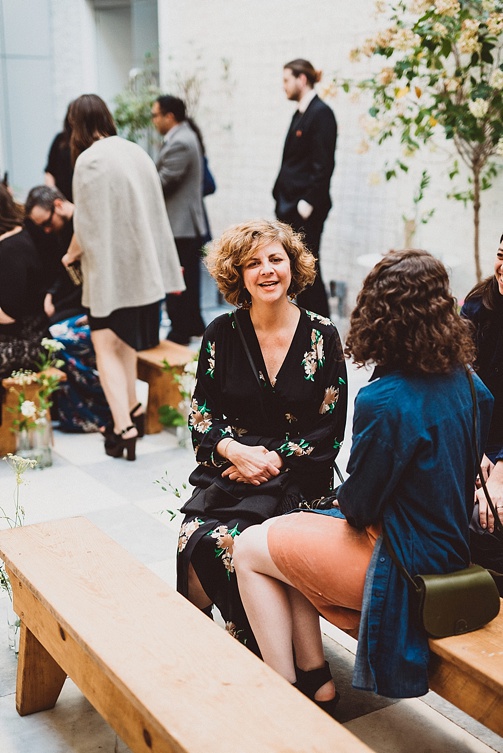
x: 170, y: 415
x: 28, y: 412
x: 439, y: 73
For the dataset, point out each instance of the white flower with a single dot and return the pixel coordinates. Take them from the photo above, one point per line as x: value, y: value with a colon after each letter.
x: 419, y: 6
x: 440, y: 29
x: 28, y: 409
x: 495, y: 23
x: 52, y: 345
x: 374, y: 179
x: 371, y: 126
x: 499, y: 148
x: 496, y: 79
x: 447, y: 7
x: 468, y: 42
x: 478, y: 108
x: 451, y: 84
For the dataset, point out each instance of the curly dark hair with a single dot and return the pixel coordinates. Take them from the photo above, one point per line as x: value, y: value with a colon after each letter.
x: 406, y: 317
x: 238, y: 244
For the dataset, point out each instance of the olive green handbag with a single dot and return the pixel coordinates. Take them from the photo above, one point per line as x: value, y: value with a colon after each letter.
x: 459, y: 602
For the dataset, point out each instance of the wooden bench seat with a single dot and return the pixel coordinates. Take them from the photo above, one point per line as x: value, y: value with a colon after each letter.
x: 162, y: 388
x: 165, y: 677
x: 9, y: 399
x: 467, y: 670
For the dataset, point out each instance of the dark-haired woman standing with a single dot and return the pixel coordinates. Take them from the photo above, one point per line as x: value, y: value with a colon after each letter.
x: 484, y: 308
x: 412, y: 471
x: 128, y: 256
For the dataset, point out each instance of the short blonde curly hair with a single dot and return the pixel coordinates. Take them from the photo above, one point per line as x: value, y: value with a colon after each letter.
x: 238, y: 244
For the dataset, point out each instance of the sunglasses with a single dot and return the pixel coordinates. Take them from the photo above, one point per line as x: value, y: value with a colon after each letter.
x: 48, y: 222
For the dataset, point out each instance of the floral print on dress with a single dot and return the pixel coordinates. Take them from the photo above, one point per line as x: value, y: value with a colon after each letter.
x: 317, y: 317
x: 329, y: 400
x: 200, y: 418
x: 186, y: 531
x: 290, y: 418
x: 225, y: 545
x: 302, y: 447
x: 210, y: 349
x: 233, y: 631
x: 314, y: 358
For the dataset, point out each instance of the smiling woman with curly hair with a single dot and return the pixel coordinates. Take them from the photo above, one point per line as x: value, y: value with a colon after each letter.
x: 268, y: 411
x: 411, y: 472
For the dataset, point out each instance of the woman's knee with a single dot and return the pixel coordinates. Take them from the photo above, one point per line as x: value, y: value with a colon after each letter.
x: 250, y: 549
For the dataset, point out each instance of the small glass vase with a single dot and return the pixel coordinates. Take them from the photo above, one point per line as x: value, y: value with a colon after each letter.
x: 13, y: 628
x: 183, y: 433
x: 35, y: 443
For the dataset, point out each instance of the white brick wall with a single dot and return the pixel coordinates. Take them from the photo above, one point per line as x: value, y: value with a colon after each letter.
x: 244, y: 117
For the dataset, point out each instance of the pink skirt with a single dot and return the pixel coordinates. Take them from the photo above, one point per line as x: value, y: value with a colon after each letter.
x: 326, y: 559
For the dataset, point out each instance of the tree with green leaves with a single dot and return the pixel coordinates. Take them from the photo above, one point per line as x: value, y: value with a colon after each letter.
x: 441, y: 76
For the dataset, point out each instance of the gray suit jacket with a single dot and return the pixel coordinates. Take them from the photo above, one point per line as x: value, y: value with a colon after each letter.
x: 180, y: 166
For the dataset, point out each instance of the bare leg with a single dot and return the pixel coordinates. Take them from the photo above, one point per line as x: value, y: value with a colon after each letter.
x: 197, y: 595
x: 280, y: 616
x: 116, y: 363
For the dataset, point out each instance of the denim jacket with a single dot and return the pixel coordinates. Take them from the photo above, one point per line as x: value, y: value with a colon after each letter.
x: 412, y: 467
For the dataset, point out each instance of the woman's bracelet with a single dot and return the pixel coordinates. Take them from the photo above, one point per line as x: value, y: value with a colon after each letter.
x: 230, y: 439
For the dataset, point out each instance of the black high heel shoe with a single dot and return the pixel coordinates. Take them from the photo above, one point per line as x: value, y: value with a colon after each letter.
x: 310, y: 682
x: 139, y: 421
x: 115, y: 444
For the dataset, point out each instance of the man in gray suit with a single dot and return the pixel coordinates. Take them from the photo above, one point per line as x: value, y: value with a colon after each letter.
x: 180, y: 165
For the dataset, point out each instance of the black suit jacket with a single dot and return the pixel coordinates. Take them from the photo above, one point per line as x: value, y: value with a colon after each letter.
x: 308, y: 162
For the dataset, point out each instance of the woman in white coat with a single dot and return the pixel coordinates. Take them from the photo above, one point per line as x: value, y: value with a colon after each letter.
x: 128, y: 256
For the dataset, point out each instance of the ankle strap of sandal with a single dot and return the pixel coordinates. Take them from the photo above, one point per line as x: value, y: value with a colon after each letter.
x: 128, y: 428
x: 310, y: 682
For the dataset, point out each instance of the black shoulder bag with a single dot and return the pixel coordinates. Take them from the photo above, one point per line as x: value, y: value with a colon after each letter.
x: 459, y: 602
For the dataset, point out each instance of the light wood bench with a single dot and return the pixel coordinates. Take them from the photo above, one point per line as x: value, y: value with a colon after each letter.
x: 10, y: 400
x: 162, y: 388
x: 467, y: 670
x: 162, y: 674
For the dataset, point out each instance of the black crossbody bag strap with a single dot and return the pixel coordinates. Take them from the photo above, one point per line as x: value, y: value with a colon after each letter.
x: 247, y: 350
x: 255, y: 374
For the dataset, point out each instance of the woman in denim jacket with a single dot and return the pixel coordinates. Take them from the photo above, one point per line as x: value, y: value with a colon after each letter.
x: 412, y: 470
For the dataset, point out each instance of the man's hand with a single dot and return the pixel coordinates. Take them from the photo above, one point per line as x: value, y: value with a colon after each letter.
x: 49, y: 307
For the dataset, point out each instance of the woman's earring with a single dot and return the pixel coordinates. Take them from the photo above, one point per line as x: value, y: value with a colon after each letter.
x: 246, y: 302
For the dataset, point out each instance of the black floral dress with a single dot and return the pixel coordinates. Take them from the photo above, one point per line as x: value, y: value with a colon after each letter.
x: 301, y: 415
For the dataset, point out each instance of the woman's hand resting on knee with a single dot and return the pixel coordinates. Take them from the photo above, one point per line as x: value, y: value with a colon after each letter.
x: 251, y: 465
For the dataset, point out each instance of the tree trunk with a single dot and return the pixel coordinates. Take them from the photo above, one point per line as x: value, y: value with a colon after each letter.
x: 476, y: 221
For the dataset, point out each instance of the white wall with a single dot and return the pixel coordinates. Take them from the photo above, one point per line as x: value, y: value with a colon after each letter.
x: 244, y: 116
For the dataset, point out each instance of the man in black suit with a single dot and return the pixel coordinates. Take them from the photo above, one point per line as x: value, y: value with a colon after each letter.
x: 302, y: 188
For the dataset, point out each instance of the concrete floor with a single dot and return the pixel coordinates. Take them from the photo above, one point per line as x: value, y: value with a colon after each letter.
x: 125, y: 500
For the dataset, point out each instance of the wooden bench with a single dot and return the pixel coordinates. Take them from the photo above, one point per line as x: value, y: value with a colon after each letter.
x: 162, y: 388
x: 467, y: 670
x: 165, y: 677
x: 9, y: 399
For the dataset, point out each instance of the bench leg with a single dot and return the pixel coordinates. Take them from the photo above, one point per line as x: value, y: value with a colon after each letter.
x: 39, y: 677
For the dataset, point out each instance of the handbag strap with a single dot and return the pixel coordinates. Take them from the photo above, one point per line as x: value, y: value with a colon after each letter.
x: 385, y: 536
x: 247, y: 350
x: 255, y: 373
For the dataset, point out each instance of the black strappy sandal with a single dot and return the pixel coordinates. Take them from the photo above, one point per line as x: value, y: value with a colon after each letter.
x: 139, y: 421
x: 310, y: 682
x: 115, y: 444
